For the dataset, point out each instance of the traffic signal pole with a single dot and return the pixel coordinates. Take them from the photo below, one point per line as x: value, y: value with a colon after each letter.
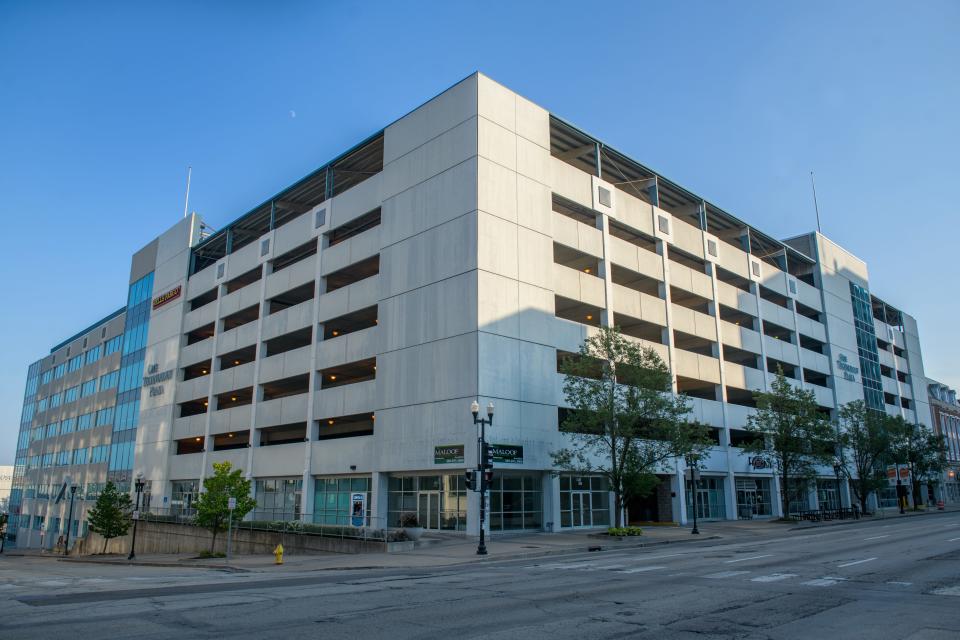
x: 484, y: 468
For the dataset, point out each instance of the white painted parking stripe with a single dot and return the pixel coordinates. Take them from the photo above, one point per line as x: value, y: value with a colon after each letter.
x: 750, y: 558
x: 878, y: 537
x: 773, y: 577
x: 850, y: 564
x: 726, y: 574
x: 638, y: 569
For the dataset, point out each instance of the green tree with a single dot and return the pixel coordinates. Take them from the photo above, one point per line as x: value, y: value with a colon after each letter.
x: 866, y: 437
x: 624, y: 422
x: 923, y: 451
x: 212, y: 505
x: 110, y: 516
x: 792, y: 436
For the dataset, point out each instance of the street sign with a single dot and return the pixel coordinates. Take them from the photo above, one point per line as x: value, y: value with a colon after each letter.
x: 231, y: 503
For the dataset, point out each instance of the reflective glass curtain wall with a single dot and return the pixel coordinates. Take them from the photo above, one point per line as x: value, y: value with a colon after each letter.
x: 867, y: 347
x: 23, y: 442
x: 127, y: 414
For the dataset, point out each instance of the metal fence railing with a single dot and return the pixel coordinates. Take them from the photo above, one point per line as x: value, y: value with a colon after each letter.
x: 288, y: 521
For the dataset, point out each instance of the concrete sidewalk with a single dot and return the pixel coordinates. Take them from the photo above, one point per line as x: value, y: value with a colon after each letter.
x: 435, y: 550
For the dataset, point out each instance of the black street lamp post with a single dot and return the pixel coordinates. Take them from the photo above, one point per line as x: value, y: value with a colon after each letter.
x: 136, y: 515
x: 693, y: 462
x: 484, y: 466
x: 66, y: 546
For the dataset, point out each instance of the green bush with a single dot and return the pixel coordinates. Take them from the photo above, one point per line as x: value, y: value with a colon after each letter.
x: 206, y: 553
x: 625, y: 531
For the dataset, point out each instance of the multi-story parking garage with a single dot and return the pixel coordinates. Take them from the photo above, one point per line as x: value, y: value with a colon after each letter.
x: 331, y: 340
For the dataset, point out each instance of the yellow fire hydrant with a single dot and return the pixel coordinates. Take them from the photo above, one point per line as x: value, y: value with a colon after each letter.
x: 278, y: 554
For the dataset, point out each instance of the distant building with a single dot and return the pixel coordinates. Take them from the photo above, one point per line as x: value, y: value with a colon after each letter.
x: 6, y: 481
x: 945, y: 411
x: 329, y: 341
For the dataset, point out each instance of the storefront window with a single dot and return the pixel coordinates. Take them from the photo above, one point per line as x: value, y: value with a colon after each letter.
x: 584, y: 501
x: 182, y: 496
x: 753, y: 498
x: 828, y: 495
x: 798, y: 489
x: 439, y: 501
x: 278, y: 498
x: 516, y: 502
x: 711, y: 503
x: 331, y: 499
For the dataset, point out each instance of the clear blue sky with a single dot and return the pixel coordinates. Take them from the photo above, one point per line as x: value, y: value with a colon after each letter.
x: 103, y: 106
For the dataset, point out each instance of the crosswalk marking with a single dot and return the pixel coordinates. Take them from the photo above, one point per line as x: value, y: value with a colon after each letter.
x: 773, y: 577
x: 726, y: 574
x: 766, y: 555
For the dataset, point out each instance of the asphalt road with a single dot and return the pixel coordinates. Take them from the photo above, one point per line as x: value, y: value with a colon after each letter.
x: 899, y: 579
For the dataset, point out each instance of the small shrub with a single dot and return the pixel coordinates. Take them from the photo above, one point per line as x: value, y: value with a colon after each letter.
x: 206, y: 553
x: 409, y: 520
x: 625, y: 531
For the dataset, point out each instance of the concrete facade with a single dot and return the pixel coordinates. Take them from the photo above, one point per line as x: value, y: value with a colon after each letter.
x: 330, y: 341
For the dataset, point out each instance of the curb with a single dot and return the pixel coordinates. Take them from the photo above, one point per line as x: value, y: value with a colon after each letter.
x: 871, y: 519
x: 180, y: 564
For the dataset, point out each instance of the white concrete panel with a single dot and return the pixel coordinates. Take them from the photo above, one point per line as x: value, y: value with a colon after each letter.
x: 533, y: 122
x: 442, y: 252
x: 433, y: 312
x: 453, y: 106
x: 533, y: 161
x: 497, y: 245
x: 569, y: 182
x: 496, y: 103
x: 497, y: 189
x: 433, y: 158
x: 498, y: 304
x: 534, y: 254
x: 497, y: 144
x: 534, y: 208
x: 431, y: 203
x: 410, y: 376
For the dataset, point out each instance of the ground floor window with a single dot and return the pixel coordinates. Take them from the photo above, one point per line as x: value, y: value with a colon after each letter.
x: 516, y: 502
x: 331, y: 499
x: 953, y: 491
x: 584, y: 501
x: 828, y: 494
x: 182, y: 496
x: 278, y: 498
x: 798, y: 492
x: 887, y: 497
x: 711, y: 502
x: 754, y: 498
x: 439, y: 501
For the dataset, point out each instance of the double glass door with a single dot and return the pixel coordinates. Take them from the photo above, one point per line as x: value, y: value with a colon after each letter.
x: 580, y: 509
x: 428, y: 509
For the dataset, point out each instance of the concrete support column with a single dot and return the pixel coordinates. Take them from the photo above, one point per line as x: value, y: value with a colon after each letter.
x: 379, y: 499
x: 730, y: 490
x: 846, y: 497
x: 551, y: 502
x: 813, y: 501
x: 775, y: 496
x: 678, y: 486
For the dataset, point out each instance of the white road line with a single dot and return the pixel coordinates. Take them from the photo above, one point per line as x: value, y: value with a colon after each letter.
x: 947, y: 591
x: 953, y: 539
x: 900, y: 584
x: 878, y: 537
x: 826, y: 581
x: 773, y: 577
x: 750, y: 558
x: 638, y: 569
x: 850, y: 564
x: 725, y: 574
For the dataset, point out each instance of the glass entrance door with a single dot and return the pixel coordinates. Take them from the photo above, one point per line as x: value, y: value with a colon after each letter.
x: 428, y: 509
x: 580, y: 509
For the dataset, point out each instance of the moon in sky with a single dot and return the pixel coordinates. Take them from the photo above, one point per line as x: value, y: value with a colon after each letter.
x: 293, y: 114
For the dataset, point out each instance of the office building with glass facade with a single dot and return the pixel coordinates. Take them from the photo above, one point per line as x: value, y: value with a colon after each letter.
x: 329, y: 342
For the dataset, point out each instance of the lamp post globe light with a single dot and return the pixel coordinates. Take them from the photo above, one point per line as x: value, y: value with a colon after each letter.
x: 693, y: 461
x: 138, y: 485
x: 484, y: 466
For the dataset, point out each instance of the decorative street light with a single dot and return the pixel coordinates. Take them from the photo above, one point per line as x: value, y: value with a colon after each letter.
x: 73, y: 492
x: 136, y: 514
x: 484, y: 465
x: 693, y: 461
